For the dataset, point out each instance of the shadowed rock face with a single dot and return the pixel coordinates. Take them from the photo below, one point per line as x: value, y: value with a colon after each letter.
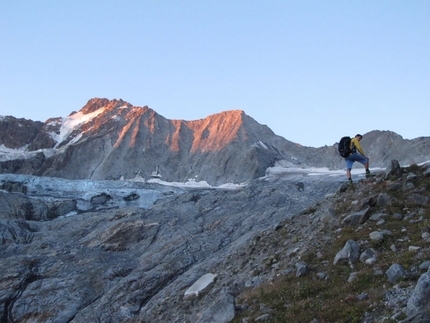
x: 16, y: 133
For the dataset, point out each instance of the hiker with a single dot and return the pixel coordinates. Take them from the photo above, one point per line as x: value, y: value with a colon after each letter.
x: 357, y: 155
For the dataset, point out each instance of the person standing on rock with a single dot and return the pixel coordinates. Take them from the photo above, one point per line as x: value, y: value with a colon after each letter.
x: 357, y: 155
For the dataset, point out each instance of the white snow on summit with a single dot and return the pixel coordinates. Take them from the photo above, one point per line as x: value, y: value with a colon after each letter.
x: 53, y: 123
x: 72, y: 123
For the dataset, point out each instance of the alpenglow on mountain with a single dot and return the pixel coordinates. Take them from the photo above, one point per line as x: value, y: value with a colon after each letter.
x: 112, y: 139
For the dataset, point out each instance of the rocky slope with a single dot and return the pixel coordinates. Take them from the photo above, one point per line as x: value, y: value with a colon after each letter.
x: 361, y: 255
x: 112, y: 139
x: 293, y: 234
x: 117, y: 264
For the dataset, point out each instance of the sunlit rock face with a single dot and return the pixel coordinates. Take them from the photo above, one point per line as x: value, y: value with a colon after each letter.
x: 110, y: 139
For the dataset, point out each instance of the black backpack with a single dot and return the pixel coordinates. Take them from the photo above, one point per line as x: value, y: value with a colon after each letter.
x: 344, y: 147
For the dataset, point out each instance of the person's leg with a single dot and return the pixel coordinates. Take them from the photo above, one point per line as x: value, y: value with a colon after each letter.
x: 348, y: 174
x: 366, y: 166
x: 365, y: 161
x: 349, y: 164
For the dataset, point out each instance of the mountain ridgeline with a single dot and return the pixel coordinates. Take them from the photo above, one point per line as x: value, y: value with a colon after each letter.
x: 112, y: 139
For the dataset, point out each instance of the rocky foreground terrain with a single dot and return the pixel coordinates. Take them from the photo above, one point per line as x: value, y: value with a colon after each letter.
x: 360, y: 255
x: 287, y: 248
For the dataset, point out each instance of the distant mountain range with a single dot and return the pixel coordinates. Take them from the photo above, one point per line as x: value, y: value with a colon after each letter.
x: 112, y: 139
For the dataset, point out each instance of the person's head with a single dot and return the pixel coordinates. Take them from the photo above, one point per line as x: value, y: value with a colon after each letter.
x: 359, y: 137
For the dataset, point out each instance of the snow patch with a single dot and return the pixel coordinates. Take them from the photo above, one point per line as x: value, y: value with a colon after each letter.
x: 200, y: 284
x: 72, y: 123
x: 281, y: 169
x: 53, y: 123
x: 76, y: 139
x: 231, y: 186
x: 424, y: 163
x: 4, y: 149
x: 22, y: 153
x: 195, y: 184
x: 12, y: 154
x: 260, y: 144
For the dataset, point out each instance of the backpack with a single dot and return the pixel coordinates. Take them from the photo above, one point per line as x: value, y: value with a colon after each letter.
x: 344, y: 147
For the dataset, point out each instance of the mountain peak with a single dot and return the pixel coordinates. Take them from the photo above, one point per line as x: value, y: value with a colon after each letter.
x: 97, y: 103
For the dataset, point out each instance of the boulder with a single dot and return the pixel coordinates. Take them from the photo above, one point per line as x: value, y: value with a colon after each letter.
x: 376, y: 236
x: 420, y: 298
x: 417, y: 200
x: 357, y: 217
x: 425, y: 265
x: 222, y: 310
x: 395, y: 272
x: 349, y: 253
x: 383, y: 199
x: 393, y: 170
x: 367, y: 254
x: 302, y: 269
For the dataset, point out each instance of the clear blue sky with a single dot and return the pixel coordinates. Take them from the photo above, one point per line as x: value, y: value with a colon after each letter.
x: 312, y: 71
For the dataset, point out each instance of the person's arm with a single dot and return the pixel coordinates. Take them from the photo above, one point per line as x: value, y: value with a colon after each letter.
x: 358, y: 146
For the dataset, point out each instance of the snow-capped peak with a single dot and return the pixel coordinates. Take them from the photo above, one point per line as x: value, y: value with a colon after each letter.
x: 73, y: 122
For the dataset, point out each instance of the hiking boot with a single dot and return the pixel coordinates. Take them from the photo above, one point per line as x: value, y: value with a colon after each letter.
x: 369, y: 174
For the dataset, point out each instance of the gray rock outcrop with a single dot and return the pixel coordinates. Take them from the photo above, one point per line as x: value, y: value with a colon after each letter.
x: 393, y: 170
x: 395, y: 272
x: 420, y: 299
x: 367, y: 254
x: 350, y: 253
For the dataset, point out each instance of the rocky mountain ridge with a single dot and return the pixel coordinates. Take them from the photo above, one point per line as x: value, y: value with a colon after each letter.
x: 112, y: 139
